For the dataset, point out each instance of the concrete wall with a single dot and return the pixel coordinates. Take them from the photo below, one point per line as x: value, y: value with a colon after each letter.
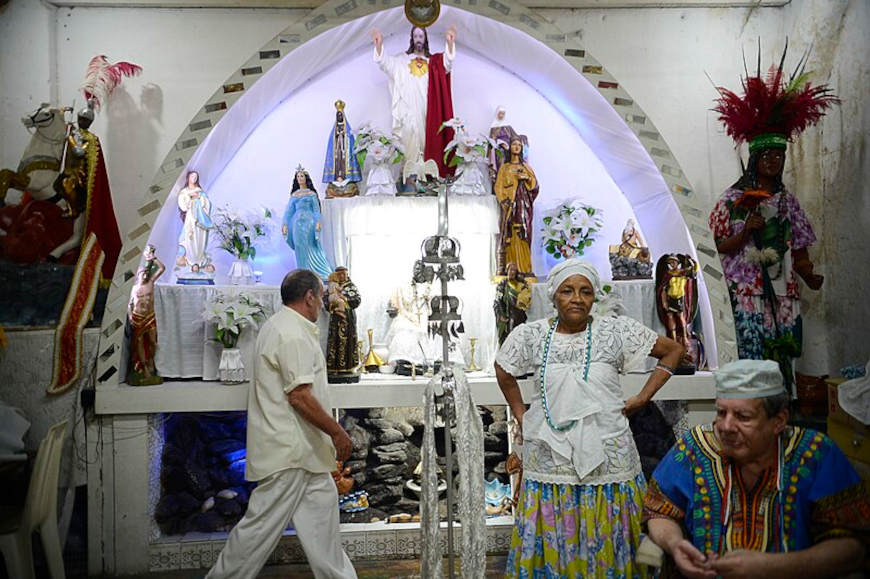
x: 659, y: 55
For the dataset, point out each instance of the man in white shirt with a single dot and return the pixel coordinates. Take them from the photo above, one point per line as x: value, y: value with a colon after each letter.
x: 292, y: 445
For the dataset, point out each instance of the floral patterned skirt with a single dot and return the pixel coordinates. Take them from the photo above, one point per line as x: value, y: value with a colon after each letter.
x: 568, y: 531
x: 755, y: 321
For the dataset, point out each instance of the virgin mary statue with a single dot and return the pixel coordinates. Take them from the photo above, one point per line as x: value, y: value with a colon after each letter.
x: 303, y: 226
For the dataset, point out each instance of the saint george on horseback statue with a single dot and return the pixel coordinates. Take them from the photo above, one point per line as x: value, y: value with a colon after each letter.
x: 63, y: 185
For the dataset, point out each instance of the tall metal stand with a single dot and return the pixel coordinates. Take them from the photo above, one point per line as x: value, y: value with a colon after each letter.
x: 441, y: 259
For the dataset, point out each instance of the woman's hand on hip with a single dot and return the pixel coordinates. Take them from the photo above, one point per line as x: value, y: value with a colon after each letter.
x: 634, y: 404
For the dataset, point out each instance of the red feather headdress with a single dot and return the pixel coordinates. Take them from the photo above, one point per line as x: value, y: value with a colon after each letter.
x: 102, y: 78
x: 771, y: 111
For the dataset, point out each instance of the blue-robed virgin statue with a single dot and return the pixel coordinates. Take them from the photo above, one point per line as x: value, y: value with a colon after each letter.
x: 303, y: 225
x: 341, y: 171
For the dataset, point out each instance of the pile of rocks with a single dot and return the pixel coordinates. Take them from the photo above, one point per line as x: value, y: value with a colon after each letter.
x: 386, y: 451
x: 202, y: 477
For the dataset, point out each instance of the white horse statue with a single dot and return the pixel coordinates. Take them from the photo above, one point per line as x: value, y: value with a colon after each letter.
x: 41, y: 162
x: 38, y: 172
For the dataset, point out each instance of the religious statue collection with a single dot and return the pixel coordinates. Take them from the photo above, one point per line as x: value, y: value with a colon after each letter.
x: 426, y: 140
x: 677, y: 306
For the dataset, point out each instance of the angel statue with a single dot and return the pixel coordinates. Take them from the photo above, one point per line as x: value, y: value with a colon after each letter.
x: 469, y: 154
x: 382, y: 152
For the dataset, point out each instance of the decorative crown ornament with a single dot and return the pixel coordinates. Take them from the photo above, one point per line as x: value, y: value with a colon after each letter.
x: 422, y: 13
x: 339, y: 105
x: 771, y: 112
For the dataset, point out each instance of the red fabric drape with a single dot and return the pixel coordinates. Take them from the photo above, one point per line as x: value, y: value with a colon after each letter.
x: 101, y: 218
x: 439, y: 108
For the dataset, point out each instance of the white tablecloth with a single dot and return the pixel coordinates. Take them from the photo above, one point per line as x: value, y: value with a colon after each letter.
x: 183, y: 350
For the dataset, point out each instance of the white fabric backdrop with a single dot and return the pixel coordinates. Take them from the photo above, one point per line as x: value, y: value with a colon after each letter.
x: 580, y: 146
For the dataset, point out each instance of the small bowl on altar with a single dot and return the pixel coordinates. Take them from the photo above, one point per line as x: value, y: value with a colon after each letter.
x: 387, y: 369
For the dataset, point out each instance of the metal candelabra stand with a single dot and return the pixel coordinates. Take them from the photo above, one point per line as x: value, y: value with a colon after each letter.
x: 441, y: 260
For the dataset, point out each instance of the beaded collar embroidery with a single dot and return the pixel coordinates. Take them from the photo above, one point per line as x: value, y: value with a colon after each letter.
x: 542, y: 376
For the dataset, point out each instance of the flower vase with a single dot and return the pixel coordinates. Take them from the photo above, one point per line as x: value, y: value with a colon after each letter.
x: 231, y: 369
x: 241, y: 272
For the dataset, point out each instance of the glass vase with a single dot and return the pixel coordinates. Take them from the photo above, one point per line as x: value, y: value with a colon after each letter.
x: 231, y: 369
x: 241, y: 272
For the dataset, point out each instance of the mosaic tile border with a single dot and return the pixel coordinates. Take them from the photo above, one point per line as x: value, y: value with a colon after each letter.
x: 199, y: 550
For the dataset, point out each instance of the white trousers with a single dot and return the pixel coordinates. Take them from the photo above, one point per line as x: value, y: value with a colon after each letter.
x: 307, y: 499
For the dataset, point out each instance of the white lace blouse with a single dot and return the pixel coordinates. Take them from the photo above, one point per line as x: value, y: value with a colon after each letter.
x: 599, y: 448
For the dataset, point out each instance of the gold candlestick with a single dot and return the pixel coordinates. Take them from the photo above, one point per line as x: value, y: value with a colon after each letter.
x: 373, y: 360
x: 472, y: 365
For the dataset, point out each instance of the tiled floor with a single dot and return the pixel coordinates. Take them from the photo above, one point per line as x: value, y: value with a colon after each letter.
x: 365, y: 570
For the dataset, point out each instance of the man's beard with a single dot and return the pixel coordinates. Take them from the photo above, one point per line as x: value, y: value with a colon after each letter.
x: 418, y: 47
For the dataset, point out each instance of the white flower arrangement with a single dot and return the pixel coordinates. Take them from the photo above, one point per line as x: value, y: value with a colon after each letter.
x: 766, y: 256
x: 239, y: 232
x: 371, y: 140
x: 466, y: 148
x: 232, y: 314
x: 570, y: 228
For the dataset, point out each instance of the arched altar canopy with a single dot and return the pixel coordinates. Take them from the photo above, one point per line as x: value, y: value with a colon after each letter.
x: 583, y: 128
x: 580, y: 146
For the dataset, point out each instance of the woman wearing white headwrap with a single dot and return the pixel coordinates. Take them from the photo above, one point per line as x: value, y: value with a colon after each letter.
x: 581, y: 501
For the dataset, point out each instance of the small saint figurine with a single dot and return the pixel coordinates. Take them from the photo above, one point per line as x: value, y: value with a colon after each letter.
x: 303, y: 225
x: 195, y: 208
x: 501, y: 133
x: 516, y: 189
x: 677, y: 304
x: 143, y: 323
x: 513, y: 296
x: 631, y: 258
x: 341, y: 171
x: 342, y: 355
x: 407, y: 338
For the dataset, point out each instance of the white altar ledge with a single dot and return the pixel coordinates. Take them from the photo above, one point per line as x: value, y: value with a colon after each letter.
x: 185, y: 351
x: 373, y: 391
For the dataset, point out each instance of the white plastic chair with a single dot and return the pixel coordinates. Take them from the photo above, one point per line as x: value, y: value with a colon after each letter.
x: 39, y: 513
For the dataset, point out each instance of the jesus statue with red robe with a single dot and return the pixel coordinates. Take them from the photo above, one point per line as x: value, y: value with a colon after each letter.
x: 420, y: 95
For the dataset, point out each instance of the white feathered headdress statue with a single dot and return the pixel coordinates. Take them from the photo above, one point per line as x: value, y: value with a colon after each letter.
x: 103, y: 77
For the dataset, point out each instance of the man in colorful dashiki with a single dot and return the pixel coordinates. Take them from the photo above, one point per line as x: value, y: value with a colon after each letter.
x: 754, y: 494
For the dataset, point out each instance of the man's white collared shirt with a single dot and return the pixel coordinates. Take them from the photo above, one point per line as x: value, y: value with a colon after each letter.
x: 288, y: 354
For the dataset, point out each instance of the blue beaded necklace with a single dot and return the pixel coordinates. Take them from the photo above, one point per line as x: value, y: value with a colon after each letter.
x: 542, y: 375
